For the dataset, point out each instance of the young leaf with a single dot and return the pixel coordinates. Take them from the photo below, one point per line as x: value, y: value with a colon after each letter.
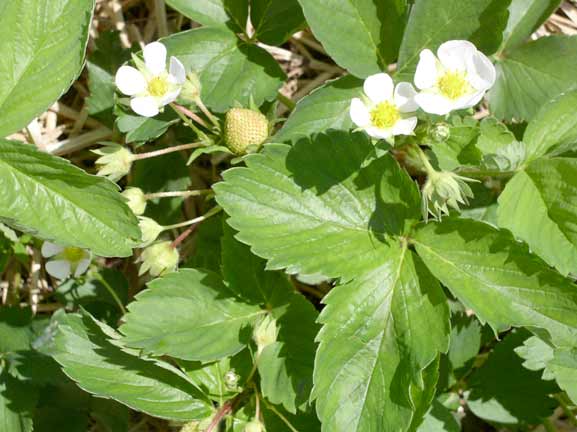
x: 231, y: 14
x: 380, y: 332
x: 368, y: 35
x: 525, y: 16
x: 439, y: 419
x: 17, y: 403
x: 53, y: 199
x: 42, y: 44
x: 537, y: 209
x: 229, y: 69
x: 140, y: 129
x: 531, y: 75
x: 325, y: 108
x: 189, y: 315
x: 433, y: 22
x: 316, y: 208
x: 99, y: 366
x: 275, y: 21
x: 479, y: 264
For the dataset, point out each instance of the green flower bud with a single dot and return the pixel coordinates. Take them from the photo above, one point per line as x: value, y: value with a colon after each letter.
x: 265, y: 332
x: 442, y: 190
x: 191, y: 88
x: 254, y: 426
x: 245, y: 128
x: 159, y: 259
x: 114, y: 162
x: 441, y: 132
x: 150, y: 230
x: 135, y: 199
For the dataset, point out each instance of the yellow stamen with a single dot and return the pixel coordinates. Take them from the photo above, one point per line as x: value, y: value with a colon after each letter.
x: 454, y: 85
x: 73, y: 254
x: 385, y: 115
x: 158, y: 86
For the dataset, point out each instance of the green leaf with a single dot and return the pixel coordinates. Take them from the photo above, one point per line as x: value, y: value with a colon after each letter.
x: 323, y: 109
x: 142, y: 129
x: 465, y: 340
x: 42, y: 44
x: 101, y: 367
x: 498, y: 387
x: 189, y: 315
x: 554, y: 128
x: 525, y: 16
x: 275, y: 21
x: 62, y: 407
x: 207, y: 254
x: 315, y: 207
x: 54, y: 200
x: 564, y: 367
x: 110, y: 415
x: 423, y: 397
x: 439, y: 419
x: 478, y: 263
x: 17, y: 403
x: 207, y: 150
x: 228, y: 13
x: 368, y: 36
x: 539, y: 206
x: 459, y: 149
x: 229, y: 69
x: 537, y: 353
x: 15, y: 329
x: 531, y: 75
x: 433, y: 22
x: 380, y: 332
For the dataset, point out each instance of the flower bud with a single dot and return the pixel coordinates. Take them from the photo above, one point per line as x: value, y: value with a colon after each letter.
x: 150, y: 230
x: 114, y: 162
x: 442, y: 190
x: 245, y: 128
x: 254, y: 426
x: 441, y: 132
x: 159, y: 259
x: 197, y: 426
x: 231, y: 379
x: 191, y: 88
x: 265, y: 332
x: 136, y: 200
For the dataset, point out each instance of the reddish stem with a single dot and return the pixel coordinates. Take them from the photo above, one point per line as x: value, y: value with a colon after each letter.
x: 191, y: 115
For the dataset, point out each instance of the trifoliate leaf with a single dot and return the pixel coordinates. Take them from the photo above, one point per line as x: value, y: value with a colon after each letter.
x: 55, y: 200
x: 479, y: 264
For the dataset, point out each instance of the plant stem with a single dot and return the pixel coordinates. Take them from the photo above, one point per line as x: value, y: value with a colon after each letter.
x: 174, y: 194
x: 549, y: 426
x: 207, y: 113
x: 289, y: 103
x: 185, y: 114
x: 112, y: 293
x: 561, y: 398
x: 282, y: 417
x: 486, y: 173
x: 424, y: 160
x: 164, y: 151
x: 196, y: 220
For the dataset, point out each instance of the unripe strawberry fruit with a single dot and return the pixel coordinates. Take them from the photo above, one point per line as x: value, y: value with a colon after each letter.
x: 243, y: 128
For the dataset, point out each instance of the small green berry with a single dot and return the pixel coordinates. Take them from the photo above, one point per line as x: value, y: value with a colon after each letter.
x: 244, y: 128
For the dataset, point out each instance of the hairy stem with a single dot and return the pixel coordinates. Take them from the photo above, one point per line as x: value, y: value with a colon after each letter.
x: 167, y: 150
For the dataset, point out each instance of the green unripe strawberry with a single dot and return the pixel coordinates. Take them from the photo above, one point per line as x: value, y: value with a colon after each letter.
x: 244, y: 128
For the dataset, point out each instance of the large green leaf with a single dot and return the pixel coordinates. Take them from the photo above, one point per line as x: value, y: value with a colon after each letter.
x: 316, y: 208
x: 42, y: 44
x: 498, y: 278
x: 539, y: 205
x: 368, y: 34
x: 226, y: 13
x: 15, y: 329
x: 380, y: 332
x: 525, y: 16
x: 275, y: 21
x: 325, y: 108
x: 433, y: 22
x: 100, y: 366
x: 53, y: 199
x: 531, y: 75
x: 229, y: 69
x: 17, y: 403
x: 190, y: 315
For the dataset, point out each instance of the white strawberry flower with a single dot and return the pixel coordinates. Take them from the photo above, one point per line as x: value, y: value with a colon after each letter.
x: 150, y: 85
x: 387, y: 110
x: 65, y: 260
x: 457, y: 78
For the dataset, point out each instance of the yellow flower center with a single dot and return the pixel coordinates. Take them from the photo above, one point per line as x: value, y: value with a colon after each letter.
x: 454, y: 85
x: 385, y: 115
x: 73, y: 254
x: 158, y: 86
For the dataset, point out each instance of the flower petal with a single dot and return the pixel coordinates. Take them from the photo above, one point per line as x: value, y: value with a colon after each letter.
x: 379, y: 88
x: 405, y: 97
x: 433, y: 103
x: 374, y: 132
x: 60, y: 269
x: 155, y: 58
x: 50, y: 249
x: 146, y: 106
x: 427, y: 71
x: 359, y: 113
x: 405, y: 126
x: 482, y: 74
x: 130, y: 81
x: 82, y: 267
x: 169, y: 97
x: 454, y: 54
x: 177, y: 70
x: 469, y: 101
